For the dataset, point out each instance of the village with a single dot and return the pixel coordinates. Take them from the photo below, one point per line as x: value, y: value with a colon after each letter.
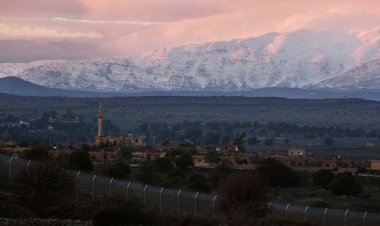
x: 106, y: 151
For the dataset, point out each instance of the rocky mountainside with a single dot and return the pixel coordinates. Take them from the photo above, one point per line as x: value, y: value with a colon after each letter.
x: 299, y: 59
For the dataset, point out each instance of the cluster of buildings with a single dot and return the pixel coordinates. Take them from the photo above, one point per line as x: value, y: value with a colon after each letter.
x: 295, y: 159
x: 108, y: 149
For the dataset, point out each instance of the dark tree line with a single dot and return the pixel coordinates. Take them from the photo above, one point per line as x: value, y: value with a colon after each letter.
x: 222, y: 132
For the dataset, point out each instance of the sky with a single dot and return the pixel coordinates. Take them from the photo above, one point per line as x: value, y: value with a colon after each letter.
x: 79, y: 29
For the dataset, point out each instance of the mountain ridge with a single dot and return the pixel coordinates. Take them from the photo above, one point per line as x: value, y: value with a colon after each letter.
x: 302, y: 59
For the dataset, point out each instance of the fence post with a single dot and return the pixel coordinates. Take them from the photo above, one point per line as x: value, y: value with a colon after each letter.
x: 27, y: 168
x: 213, y: 206
x: 325, y: 216
x: 10, y: 167
x: 306, y: 209
x: 110, y: 188
x: 345, y: 218
x: 129, y: 184
x: 286, y: 212
x: 195, y: 203
x: 178, y: 204
x: 77, y: 182
x: 270, y: 210
x: 364, y: 218
x: 162, y: 189
x: 146, y: 186
x: 93, y: 188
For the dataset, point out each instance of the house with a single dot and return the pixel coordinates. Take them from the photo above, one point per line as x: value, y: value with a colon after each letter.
x: 229, y: 148
x: 103, y: 157
x: 375, y: 165
x: 143, y: 156
x: 296, y: 152
x: 338, y: 165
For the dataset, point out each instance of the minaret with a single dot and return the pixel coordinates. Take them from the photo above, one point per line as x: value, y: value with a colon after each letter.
x: 100, y: 119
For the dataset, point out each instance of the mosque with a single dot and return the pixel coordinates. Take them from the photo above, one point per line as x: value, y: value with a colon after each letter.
x: 100, y: 139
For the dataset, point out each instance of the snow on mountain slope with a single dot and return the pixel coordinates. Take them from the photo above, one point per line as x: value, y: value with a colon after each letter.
x: 299, y: 59
x: 365, y: 76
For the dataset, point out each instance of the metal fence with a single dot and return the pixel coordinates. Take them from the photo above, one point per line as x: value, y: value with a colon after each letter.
x: 94, y: 188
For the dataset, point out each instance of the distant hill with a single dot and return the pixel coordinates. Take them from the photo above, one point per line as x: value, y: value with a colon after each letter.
x: 17, y: 86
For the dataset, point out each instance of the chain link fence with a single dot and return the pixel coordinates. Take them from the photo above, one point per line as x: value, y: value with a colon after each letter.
x: 94, y: 188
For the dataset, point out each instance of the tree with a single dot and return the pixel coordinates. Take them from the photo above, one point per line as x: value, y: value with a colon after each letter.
x: 37, y: 152
x: 163, y: 164
x: 120, y: 170
x: 239, y: 141
x: 274, y: 173
x: 80, y: 160
x: 213, y: 157
x: 218, y: 174
x: 43, y: 183
x: 328, y: 141
x: 345, y: 184
x: 184, y: 161
x: 323, y: 177
x: 243, y: 197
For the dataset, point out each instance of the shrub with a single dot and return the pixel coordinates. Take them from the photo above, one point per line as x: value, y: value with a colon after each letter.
x: 177, y: 173
x: 218, y: 174
x: 184, y: 161
x: 345, y: 184
x: 198, y: 182
x: 242, y: 197
x: 274, y: 173
x: 323, y: 177
x: 37, y: 152
x: 163, y: 164
x: 120, y: 170
x: 80, y: 160
x: 44, y: 184
x: 213, y: 157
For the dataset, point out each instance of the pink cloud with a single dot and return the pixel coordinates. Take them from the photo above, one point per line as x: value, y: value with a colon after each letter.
x: 130, y: 27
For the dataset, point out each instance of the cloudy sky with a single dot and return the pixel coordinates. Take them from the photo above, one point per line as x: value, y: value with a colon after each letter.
x: 76, y: 29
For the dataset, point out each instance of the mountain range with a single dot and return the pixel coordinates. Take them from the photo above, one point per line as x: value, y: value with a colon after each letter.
x: 305, y: 59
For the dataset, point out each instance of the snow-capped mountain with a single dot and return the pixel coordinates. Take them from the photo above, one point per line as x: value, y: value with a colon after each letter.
x: 299, y: 59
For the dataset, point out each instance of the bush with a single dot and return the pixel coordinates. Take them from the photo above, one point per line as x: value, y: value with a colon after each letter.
x: 218, y: 174
x: 323, y: 177
x: 163, y: 165
x: 80, y: 160
x: 37, y: 152
x: 274, y: 173
x: 120, y: 170
x: 345, y: 184
x: 198, y: 182
x: 242, y: 197
x: 184, y: 161
x: 45, y: 184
